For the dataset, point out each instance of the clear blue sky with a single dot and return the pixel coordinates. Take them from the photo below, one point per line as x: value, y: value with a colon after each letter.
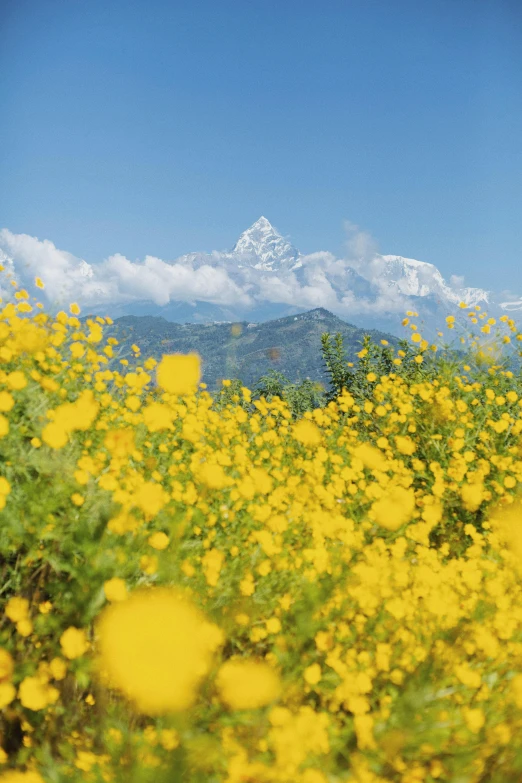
x: 161, y: 126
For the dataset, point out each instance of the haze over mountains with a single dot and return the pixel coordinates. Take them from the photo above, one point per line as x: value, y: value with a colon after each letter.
x: 261, y: 278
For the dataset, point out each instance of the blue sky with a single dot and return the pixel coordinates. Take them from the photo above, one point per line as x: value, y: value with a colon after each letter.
x: 159, y: 127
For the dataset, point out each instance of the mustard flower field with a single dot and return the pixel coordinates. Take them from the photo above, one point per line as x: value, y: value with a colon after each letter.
x: 214, y: 590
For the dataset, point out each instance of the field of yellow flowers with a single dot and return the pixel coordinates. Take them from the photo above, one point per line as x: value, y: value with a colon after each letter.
x: 236, y: 595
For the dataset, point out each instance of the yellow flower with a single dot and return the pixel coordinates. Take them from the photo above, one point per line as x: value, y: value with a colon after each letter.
x: 179, y: 373
x: 156, y: 647
x: 159, y: 540
x: 77, y: 350
x: 73, y: 643
x: 157, y: 417
x: 247, y: 585
x: 474, y: 719
x: 133, y: 402
x: 405, y: 445
x: 15, y: 776
x: 6, y: 401
x: 371, y: 457
x: 115, y: 589
x: 211, y: 562
x: 17, y: 609
x: 151, y: 498
x: 395, y: 508
x: 74, y: 309
x: 35, y: 693
x: 58, y: 668
x: 7, y: 694
x: 307, y: 433
x: 16, y: 380
x: 6, y: 665
x: 169, y: 739
x: 55, y: 436
x: 213, y: 476
x: 247, y: 684
x: 312, y: 674
x: 273, y: 625
x: 24, y: 627
x: 363, y: 725
x: 506, y: 523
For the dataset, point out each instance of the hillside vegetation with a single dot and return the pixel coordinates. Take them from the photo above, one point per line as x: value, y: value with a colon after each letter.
x: 290, y: 345
x: 214, y: 588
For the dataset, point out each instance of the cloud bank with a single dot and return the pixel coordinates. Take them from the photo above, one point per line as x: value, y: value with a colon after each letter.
x: 357, y: 284
x: 116, y: 279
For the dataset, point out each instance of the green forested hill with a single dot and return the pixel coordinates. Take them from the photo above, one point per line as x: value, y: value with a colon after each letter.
x: 291, y: 345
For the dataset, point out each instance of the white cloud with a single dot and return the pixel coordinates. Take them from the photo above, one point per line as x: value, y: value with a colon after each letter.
x: 457, y: 281
x: 161, y: 282
x: 360, y: 245
x: 64, y: 273
x: 355, y: 284
x: 321, y: 281
x: 115, y: 280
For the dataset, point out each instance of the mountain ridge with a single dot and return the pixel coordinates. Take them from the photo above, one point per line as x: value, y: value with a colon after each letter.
x: 291, y: 344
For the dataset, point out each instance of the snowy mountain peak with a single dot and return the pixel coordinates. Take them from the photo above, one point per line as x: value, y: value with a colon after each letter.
x: 418, y: 278
x: 262, y: 224
x: 412, y: 277
x: 262, y: 247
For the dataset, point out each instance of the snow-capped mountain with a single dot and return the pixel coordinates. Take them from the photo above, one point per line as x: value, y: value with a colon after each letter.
x: 418, y: 278
x: 264, y: 248
x: 262, y: 277
x: 281, y: 281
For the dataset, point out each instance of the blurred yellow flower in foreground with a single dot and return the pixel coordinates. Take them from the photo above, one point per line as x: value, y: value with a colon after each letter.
x: 307, y: 433
x: 156, y: 647
x: 395, y: 508
x: 179, y: 373
x: 247, y: 684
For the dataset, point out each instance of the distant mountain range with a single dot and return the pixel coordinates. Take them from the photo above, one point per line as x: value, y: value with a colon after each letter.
x: 278, y: 281
x: 244, y: 350
x: 263, y: 277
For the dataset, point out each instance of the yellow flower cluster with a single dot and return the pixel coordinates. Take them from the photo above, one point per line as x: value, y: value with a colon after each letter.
x: 235, y: 594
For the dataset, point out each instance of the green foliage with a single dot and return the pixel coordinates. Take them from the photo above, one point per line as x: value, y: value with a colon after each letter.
x: 300, y: 397
x: 290, y: 346
x: 272, y: 384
